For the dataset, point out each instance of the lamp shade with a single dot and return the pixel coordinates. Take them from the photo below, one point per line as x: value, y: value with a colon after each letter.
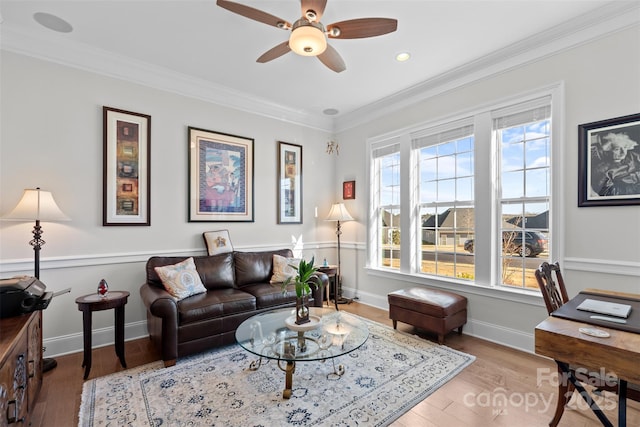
x: 36, y: 204
x: 339, y: 212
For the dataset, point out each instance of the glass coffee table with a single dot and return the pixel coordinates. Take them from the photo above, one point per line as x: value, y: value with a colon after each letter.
x: 274, y: 335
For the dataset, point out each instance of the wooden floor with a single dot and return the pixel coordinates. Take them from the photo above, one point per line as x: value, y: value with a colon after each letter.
x: 503, y: 387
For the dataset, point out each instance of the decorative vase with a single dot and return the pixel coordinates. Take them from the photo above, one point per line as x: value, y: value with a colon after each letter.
x: 302, y: 310
x: 103, y: 288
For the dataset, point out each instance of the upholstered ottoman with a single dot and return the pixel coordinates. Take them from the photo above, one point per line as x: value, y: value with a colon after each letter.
x: 434, y: 310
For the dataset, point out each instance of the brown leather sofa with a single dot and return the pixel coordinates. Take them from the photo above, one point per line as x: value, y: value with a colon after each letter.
x: 237, y: 288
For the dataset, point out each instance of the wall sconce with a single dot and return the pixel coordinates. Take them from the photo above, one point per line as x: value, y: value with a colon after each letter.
x: 333, y: 146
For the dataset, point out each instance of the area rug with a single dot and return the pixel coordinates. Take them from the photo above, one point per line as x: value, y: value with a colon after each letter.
x: 383, y: 379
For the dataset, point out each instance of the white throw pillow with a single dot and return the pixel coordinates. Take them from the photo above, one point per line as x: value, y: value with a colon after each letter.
x: 182, y: 279
x: 217, y: 242
x: 283, y: 268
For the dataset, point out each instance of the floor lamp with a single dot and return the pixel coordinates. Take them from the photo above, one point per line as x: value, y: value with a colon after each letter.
x: 37, y: 205
x: 339, y: 213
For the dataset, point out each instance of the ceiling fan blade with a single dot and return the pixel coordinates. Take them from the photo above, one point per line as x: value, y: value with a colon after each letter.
x: 316, y: 5
x: 332, y: 59
x: 255, y: 14
x: 361, y: 28
x: 275, y: 52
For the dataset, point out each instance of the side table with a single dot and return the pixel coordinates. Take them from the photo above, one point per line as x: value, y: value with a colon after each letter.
x: 332, y: 272
x: 94, y: 302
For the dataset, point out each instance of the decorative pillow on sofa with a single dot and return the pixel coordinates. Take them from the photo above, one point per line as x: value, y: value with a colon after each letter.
x: 182, y: 279
x: 217, y: 242
x: 283, y: 268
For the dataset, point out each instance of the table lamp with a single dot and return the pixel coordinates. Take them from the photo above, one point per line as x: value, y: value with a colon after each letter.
x: 339, y: 213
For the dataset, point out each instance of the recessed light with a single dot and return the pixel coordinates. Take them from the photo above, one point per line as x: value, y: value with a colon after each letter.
x: 52, y: 22
x: 330, y: 111
x: 403, y: 56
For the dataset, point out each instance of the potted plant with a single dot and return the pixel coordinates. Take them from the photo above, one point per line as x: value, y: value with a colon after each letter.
x: 303, y: 290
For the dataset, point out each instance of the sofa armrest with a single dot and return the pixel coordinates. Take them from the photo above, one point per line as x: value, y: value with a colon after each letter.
x: 159, y: 302
x: 162, y: 321
x: 321, y: 280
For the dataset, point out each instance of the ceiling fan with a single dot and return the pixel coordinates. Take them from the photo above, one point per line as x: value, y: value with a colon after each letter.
x: 308, y: 35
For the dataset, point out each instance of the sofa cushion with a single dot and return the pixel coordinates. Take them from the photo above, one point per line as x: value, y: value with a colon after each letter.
x: 216, y: 271
x: 181, y: 280
x: 256, y: 267
x: 216, y: 303
x: 270, y: 295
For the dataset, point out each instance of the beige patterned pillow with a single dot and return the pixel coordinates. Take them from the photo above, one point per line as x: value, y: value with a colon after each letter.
x: 182, y: 279
x: 282, y: 268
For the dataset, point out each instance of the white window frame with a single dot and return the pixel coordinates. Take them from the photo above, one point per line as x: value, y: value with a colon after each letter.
x: 375, y: 151
x: 486, y: 278
x: 429, y: 137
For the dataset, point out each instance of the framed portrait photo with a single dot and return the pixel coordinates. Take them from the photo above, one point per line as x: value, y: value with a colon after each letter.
x: 349, y: 190
x: 126, y: 180
x: 609, y: 162
x: 220, y: 177
x: 289, y: 183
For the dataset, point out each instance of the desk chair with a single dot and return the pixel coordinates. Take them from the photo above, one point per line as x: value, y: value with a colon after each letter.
x: 554, y: 292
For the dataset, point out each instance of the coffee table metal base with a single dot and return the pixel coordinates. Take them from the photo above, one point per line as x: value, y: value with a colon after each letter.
x: 290, y: 368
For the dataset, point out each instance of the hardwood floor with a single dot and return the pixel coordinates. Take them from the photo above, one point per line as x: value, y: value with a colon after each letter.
x: 502, y: 387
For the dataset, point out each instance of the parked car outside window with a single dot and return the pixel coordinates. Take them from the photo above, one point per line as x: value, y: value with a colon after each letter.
x: 534, y: 243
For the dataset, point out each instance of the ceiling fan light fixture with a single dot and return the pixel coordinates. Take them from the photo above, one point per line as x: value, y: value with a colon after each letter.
x: 307, y: 38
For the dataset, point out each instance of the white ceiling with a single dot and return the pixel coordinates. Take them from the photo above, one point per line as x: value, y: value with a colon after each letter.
x: 196, y: 46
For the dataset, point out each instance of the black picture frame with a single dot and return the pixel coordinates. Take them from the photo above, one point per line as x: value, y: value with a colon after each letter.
x: 289, y: 183
x: 126, y: 164
x: 609, y: 162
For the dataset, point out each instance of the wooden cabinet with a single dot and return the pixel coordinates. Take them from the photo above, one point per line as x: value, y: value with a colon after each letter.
x: 21, y: 368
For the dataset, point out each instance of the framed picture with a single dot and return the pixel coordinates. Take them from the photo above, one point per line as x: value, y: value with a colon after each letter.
x: 220, y: 177
x: 609, y: 162
x: 349, y: 190
x: 289, y: 183
x: 126, y: 180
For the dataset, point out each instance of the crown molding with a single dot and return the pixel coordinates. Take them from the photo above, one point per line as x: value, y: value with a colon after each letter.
x: 54, y: 48
x: 608, y: 19
x: 613, y: 17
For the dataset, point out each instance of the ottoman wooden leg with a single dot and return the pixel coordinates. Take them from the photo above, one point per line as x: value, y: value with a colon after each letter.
x: 395, y: 324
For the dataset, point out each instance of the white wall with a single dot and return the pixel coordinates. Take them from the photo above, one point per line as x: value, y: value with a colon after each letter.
x: 51, y: 137
x: 601, y: 80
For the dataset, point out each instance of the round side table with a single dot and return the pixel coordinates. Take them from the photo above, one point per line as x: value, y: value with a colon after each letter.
x: 332, y: 272
x: 87, y: 304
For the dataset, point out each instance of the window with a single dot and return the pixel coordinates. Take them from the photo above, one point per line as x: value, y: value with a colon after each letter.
x: 476, y: 192
x: 523, y: 139
x: 446, y: 194
x: 386, y: 170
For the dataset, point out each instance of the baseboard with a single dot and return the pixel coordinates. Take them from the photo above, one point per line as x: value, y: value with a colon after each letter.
x: 74, y: 343
x: 487, y: 331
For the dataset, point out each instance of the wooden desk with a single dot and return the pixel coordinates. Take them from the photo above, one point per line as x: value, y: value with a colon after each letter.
x: 562, y: 341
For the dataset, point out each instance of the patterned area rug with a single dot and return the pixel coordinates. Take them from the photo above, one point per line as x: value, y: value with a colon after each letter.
x: 384, y: 378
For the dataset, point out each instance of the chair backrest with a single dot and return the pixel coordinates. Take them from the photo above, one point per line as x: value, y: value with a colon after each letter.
x: 553, y: 290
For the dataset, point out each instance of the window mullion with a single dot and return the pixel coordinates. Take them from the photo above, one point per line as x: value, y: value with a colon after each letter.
x: 407, y: 218
x: 485, y: 196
